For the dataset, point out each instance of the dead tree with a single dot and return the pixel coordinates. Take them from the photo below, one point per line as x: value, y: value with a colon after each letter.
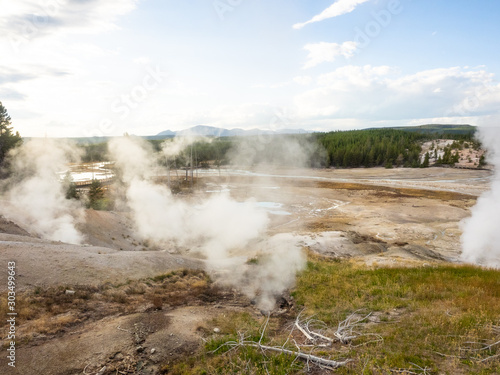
x: 315, y: 337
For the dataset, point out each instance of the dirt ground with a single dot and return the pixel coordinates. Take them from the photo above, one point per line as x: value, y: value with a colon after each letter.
x: 375, y: 216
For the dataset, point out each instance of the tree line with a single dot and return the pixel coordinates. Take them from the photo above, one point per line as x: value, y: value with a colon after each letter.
x: 338, y: 149
x: 372, y: 148
x: 382, y: 147
x: 8, y: 139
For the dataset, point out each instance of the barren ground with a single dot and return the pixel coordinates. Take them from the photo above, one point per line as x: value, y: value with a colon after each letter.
x: 376, y: 216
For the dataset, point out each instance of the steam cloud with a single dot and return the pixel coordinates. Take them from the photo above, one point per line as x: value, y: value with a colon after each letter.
x: 285, y: 150
x: 481, y: 236
x: 35, y: 196
x: 175, y: 146
x: 226, y: 232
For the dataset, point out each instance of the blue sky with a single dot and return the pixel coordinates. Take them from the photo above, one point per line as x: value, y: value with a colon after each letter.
x: 106, y: 67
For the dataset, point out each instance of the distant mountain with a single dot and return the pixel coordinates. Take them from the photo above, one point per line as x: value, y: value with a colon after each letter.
x: 211, y: 131
x: 166, y: 133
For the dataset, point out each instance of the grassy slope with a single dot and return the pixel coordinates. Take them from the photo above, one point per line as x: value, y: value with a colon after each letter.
x: 420, y: 312
x: 425, y: 316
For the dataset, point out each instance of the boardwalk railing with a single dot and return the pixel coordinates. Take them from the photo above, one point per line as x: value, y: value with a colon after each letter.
x: 87, y: 183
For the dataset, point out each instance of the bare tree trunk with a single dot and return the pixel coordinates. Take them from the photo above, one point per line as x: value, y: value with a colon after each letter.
x: 308, y: 357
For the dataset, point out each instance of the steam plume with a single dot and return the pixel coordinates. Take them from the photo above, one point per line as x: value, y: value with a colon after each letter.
x: 220, y: 228
x: 35, y: 195
x: 481, y: 234
x: 285, y: 150
x: 275, y: 271
x: 176, y: 145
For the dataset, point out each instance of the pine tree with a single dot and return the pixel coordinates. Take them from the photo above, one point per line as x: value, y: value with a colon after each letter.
x: 96, y: 195
x: 8, y: 139
x: 482, y: 161
x: 425, y: 164
x: 70, y: 186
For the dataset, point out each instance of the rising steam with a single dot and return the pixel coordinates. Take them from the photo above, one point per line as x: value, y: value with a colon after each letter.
x: 226, y: 232
x: 35, y: 196
x: 481, y: 234
x: 284, y: 150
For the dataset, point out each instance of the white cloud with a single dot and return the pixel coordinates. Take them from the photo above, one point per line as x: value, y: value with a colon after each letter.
x: 383, y: 93
x: 303, y: 80
x: 25, y: 20
x: 351, y: 77
x: 277, y: 85
x: 338, y: 8
x: 142, y: 60
x: 328, y: 52
x: 65, y: 78
x: 50, y: 76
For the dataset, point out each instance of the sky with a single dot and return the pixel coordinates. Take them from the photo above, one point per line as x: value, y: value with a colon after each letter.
x: 81, y: 68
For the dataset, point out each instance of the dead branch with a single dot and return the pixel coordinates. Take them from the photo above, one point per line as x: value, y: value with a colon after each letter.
x: 423, y: 369
x: 489, y: 358
x: 345, y: 332
x: 449, y: 355
x: 471, y: 349
x: 304, y: 332
x: 411, y: 371
x: 315, y: 332
x: 403, y: 371
x: 320, y: 336
x: 483, y: 346
x: 263, y: 330
x: 308, y: 357
x: 85, y: 370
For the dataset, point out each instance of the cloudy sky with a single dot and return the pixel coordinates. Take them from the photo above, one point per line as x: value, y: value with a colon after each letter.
x: 106, y: 67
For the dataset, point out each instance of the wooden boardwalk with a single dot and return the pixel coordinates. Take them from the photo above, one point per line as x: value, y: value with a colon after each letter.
x: 87, y: 183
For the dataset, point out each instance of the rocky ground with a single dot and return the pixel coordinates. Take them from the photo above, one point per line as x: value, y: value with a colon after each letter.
x: 98, y: 309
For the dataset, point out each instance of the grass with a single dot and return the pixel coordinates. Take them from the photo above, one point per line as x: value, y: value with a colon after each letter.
x: 245, y: 361
x: 344, y: 287
x: 419, y: 312
x: 425, y: 315
x: 218, y: 358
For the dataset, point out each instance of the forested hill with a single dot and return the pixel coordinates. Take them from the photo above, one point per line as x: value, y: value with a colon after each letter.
x: 386, y: 147
x: 370, y: 148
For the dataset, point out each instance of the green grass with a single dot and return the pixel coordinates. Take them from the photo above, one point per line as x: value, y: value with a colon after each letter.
x: 218, y: 358
x: 419, y: 312
x: 344, y: 287
x: 244, y: 361
x: 425, y: 315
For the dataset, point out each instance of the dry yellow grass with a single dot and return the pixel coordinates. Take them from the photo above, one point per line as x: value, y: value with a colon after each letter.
x: 48, y: 311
